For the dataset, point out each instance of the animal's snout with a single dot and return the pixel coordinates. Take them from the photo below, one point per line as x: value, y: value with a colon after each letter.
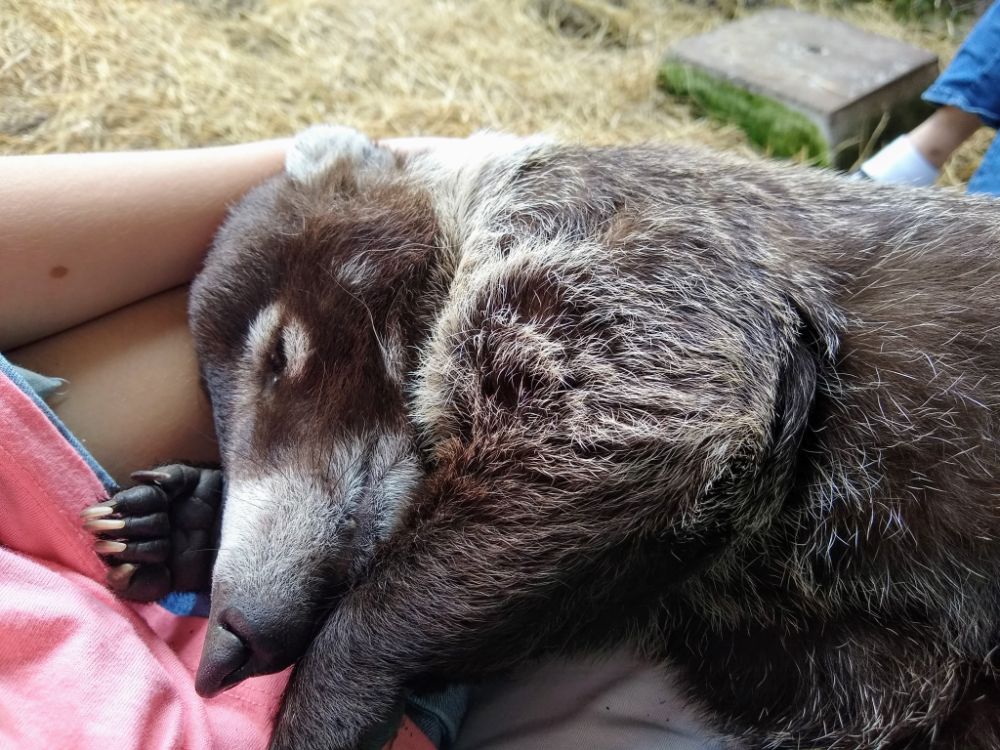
x: 242, y: 643
x: 224, y: 656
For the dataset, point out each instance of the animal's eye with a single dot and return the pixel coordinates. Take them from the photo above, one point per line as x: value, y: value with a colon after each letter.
x: 277, y: 361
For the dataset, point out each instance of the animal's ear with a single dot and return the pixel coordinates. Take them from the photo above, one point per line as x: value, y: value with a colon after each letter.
x: 320, y: 149
x: 809, y: 358
x: 752, y: 479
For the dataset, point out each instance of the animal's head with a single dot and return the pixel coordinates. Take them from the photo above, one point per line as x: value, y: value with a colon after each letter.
x: 304, y: 319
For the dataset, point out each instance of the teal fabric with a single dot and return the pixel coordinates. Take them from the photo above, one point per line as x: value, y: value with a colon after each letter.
x: 439, y: 715
x: 43, y: 385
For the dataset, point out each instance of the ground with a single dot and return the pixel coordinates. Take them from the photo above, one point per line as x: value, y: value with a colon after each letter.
x: 118, y: 74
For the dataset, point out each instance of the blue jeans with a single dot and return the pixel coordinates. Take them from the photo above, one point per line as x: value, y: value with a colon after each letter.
x: 972, y: 83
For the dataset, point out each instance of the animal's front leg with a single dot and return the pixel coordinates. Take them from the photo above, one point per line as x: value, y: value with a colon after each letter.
x: 338, y: 692
x: 454, y: 600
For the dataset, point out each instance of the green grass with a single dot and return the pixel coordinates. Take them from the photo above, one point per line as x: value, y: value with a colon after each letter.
x: 925, y: 11
x: 771, y: 126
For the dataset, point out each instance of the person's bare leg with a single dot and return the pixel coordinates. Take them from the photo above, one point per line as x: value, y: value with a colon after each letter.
x: 134, y: 397
x: 937, y: 137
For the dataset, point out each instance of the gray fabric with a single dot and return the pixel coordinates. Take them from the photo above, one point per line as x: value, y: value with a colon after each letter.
x: 616, y: 704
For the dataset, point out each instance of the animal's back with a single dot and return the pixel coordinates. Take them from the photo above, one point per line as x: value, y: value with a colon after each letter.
x: 791, y: 379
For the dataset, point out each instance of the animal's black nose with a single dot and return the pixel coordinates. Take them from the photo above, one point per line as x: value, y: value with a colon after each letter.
x: 249, y: 633
x: 241, y: 645
x: 223, y: 658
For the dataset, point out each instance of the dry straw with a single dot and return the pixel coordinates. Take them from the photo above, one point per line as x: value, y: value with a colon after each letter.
x: 115, y: 74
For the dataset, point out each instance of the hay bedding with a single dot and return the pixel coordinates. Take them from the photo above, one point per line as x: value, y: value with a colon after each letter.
x: 115, y: 74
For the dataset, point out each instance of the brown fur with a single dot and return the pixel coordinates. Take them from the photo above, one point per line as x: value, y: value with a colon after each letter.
x: 742, y: 417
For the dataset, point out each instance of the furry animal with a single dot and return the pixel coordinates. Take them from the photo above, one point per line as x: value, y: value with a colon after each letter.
x: 484, y: 404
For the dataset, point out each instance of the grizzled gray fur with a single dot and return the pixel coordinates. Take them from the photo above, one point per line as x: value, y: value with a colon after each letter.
x: 482, y: 405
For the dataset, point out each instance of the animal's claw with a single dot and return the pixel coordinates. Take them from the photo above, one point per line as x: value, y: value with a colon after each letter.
x: 96, y: 511
x: 151, y: 475
x: 102, y: 525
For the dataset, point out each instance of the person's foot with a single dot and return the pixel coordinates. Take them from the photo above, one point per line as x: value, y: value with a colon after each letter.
x: 160, y: 535
x: 900, y: 162
x: 917, y: 157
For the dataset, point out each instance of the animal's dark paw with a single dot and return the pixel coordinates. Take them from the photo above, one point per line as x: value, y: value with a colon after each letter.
x: 160, y: 535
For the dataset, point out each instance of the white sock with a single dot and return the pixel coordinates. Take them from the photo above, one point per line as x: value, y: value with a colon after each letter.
x: 900, y: 162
